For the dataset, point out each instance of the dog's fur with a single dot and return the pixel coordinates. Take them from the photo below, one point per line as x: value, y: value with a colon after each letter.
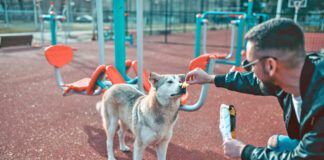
x: 150, y: 117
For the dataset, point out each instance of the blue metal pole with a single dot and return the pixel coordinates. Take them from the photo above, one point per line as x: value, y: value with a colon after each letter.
x: 53, y: 29
x: 198, y: 35
x: 249, y: 15
x: 6, y: 12
x: 240, y: 34
x: 119, y: 30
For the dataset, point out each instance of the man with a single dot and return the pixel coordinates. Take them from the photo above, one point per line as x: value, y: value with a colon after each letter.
x: 279, y: 67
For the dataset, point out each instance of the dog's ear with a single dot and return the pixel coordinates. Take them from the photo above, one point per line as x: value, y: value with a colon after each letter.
x: 154, y: 77
x: 182, y: 77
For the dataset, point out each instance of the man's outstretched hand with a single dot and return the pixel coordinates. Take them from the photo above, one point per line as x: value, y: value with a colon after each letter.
x: 199, y: 76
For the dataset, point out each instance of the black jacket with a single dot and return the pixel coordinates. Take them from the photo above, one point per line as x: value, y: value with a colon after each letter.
x: 310, y: 131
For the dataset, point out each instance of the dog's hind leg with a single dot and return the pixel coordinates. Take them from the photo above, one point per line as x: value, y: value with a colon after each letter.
x: 112, y: 125
x: 121, y: 135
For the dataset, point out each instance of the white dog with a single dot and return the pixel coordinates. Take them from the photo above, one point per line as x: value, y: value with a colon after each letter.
x: 150, y: 117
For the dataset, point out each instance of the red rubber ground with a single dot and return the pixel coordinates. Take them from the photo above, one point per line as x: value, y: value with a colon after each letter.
x: 37, y: 122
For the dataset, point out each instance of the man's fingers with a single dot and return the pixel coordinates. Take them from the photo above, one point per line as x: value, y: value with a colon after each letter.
x: 189, y: 76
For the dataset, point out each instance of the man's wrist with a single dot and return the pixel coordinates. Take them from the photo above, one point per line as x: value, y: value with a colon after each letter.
x: 211, y: 78
x: 242, y: 148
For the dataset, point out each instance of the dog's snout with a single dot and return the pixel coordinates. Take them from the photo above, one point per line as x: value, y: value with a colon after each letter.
x: 183, y: 90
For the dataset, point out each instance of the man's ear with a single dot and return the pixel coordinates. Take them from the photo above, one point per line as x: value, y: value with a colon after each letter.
x: 154, y: 77
x: 272, y: 66
x: 182, y: 77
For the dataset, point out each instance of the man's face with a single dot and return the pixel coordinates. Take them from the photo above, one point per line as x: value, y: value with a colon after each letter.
x: 267, y: 82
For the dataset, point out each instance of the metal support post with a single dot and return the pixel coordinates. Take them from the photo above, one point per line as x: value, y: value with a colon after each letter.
x: 101, y: 41
x: 119, y: 31
x: 279, y: 7
x: 198, y: 35
x: 139, y: 29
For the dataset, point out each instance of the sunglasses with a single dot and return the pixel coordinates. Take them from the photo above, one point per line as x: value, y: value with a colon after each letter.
x: 247, y: 65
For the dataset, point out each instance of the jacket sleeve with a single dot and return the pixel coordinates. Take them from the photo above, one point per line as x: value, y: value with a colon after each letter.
x: 245, y: 82
x: 311, y: 147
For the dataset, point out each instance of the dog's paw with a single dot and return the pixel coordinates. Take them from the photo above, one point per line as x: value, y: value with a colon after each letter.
x: 125, y: 149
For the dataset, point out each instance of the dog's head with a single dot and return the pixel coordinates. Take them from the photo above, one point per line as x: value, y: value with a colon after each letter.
x: 168, y: 86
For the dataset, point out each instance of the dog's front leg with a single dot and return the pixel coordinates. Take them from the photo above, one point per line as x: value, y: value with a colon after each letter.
x: 162, y: 148
x: 139, y: 148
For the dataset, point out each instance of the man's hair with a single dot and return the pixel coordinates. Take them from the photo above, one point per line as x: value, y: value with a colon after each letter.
x: 281, y: 38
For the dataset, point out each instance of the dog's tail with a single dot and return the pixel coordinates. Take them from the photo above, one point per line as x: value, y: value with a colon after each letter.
x: 99, y: 105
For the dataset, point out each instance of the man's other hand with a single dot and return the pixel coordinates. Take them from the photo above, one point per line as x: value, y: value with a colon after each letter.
x: 233, y: 148
x: 199, y: 76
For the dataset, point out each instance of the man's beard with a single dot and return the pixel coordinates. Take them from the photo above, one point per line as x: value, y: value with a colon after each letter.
x: 267, y: 86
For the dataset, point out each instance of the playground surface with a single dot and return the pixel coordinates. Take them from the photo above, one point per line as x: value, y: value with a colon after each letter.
x: 37, y: 122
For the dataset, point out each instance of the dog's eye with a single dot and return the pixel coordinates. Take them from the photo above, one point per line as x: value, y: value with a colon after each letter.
x: 170, y: 82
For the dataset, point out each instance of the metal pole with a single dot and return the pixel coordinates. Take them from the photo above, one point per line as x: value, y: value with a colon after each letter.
x: 64, y: 13
x: 93, y: 10
x: 171, y: 15
x: 6, y: 12
x: 53, y: 28
x: 279, y: 6
x: 166, y: 22
x: 198, y: 35
x: 35, y: 13
x: 151, y: 16
x: 185, y: 16
x: 296, y: 14
x: 41, y: 22
x: 72, y: 3
x: 126, y: 13
x: 201, y: 6
x: 101, y: 41
x: 68, y: 17
x: 204, y: 42
x: 119, y: 32
x: 239, y: 41
x: 249, y: 15
x: 139, y: 30
x: 42, y: 30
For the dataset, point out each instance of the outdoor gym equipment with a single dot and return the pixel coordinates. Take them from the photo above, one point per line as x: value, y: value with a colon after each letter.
x: 60, y: 55
x: 239, y: 23
x: 205, y: 61
x: 109, y: 36
x: 52, y: 18
x: 243, y: 22
x: 119, y: 40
